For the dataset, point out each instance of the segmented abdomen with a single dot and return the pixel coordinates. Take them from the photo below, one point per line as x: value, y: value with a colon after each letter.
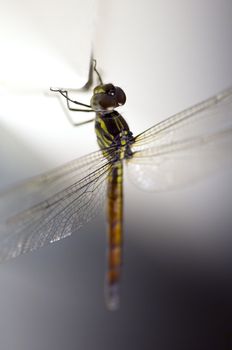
x: 115, y: 234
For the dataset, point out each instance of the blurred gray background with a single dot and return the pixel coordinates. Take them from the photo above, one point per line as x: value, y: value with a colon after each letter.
x: 176, y: 288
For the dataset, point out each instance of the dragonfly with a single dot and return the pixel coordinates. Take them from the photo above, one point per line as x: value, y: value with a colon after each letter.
x: 169, y: 155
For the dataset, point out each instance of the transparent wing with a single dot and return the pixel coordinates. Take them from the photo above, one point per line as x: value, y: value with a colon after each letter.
x: 35, y: 190
x: 58, y: 204
x: 185, y: 147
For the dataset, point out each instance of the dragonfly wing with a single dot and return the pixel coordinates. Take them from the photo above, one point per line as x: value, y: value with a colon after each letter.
x: 35, y: 190
x: 185, y: 147
x: 63, y: 200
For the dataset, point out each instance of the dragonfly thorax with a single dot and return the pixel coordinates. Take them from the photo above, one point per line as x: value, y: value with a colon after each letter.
x: 112, y: 130
x: 107, y: 97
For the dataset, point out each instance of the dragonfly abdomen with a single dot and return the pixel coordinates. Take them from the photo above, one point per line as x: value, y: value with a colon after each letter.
x: 112, y: 130
x: 115, y: 233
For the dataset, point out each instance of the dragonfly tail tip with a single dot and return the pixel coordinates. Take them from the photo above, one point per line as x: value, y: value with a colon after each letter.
x: 112, y: 297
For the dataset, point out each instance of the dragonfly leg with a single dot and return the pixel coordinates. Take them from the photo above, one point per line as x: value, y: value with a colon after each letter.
x: 78, y: 124
x: 64, y: 93
x: 96, y: 71
x: 92, y: 68
x: 89, y: 83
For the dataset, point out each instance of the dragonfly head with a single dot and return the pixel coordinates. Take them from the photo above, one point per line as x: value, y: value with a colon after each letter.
x: 107, y: 97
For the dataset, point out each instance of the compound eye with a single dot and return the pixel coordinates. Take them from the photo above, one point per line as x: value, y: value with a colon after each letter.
x: 121, y: 96
x: 111, y: 93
